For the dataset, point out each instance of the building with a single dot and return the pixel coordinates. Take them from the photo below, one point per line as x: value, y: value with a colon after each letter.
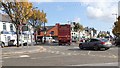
x: 74, y: 35
x: 8, y: 31
x: 51, y: 31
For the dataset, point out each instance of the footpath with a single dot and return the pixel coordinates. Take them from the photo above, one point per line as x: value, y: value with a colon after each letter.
x: 22, y: 49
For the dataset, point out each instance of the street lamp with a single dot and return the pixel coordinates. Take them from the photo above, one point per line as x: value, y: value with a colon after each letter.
x: 34, y: 29
x: 44, y: 33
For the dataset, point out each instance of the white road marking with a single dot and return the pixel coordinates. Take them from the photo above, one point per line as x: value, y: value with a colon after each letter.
x: 98, y: 64
x: 6, y: 57
x: 24, y: 56
x: 89, y: 52
x: 49, y: 57
x: 52, y: 52
x: 57, y: 52
x: 69, y: 54
x: 82, y: 54
x: 62, y: 53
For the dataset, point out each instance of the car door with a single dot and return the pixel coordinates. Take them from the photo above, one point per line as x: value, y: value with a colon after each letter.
x: 86, y: 43
x: 93, y: 42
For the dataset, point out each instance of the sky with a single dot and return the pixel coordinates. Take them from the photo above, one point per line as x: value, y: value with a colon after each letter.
x: 89, y: 13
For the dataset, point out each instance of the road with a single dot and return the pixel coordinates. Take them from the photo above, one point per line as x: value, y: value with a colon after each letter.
x: 63, y: 56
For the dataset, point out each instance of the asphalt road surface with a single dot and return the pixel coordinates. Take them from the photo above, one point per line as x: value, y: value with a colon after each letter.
x: 63, y: 56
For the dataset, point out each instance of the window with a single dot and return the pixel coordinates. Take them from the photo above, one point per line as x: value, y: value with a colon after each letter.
x: 26, y: 37
x: 25, y: 28
x: 93, y: 40
x: 52, y: 32
x: 11, y: 27
x: 4, y: 26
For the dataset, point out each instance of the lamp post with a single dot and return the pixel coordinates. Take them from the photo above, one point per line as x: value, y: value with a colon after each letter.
x: 34, y: 28
x: 44, y: 34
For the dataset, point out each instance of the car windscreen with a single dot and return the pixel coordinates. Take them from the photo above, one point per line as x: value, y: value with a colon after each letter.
x: 104, y: 40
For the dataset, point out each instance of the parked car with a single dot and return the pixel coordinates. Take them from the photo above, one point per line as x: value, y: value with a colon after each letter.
x: 14, y: 43
x: 96, y: 44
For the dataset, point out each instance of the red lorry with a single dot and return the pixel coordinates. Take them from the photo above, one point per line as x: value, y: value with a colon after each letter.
x: 64, y: 34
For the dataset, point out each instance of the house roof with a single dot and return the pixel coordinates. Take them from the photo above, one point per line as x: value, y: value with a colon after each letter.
x: 47, y: 28
x: 4, y: 18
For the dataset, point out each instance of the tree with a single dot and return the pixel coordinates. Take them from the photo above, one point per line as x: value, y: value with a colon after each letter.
x: 19, y: 13
x: 116, y: 29
x: 78, y: 28
x: 37, y: 19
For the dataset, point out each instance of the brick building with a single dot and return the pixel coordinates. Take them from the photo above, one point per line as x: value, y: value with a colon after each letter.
x: 51, y: 31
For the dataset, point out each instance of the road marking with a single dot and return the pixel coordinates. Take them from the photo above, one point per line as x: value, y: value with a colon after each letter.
x: 98, y: 64
x: 49, y: 57
x: 114, y: 56
x: 52, y: 52
x: 62, y: 53
x: 50, y: 47
x: 69, y: 54
x: 89, y: 52
x: 24, y: 56
x: 57, y: 52
x: 6, y: 57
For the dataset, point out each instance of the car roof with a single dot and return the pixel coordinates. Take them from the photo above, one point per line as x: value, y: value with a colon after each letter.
x: 99, y: 38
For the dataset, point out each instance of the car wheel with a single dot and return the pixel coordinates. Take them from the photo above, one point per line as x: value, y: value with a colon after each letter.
x: 96, y: 48
x: 25, y: 44
x: 81, y: 47
x: 107, y: 48
x: 2, y: 45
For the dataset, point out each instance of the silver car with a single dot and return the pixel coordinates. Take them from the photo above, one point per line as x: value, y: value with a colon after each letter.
x: 96, y: 44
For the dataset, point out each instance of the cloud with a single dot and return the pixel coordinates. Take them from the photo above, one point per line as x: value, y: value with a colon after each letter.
x: 60, y: 8
x: 101, y: 10
x: 77, y: 19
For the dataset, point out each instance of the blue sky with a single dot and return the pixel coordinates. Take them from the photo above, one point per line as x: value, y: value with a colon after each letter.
x: 97, y: 14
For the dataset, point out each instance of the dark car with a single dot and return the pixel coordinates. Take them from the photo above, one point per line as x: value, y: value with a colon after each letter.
x: 96, y: 44
x: 117, y: 41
